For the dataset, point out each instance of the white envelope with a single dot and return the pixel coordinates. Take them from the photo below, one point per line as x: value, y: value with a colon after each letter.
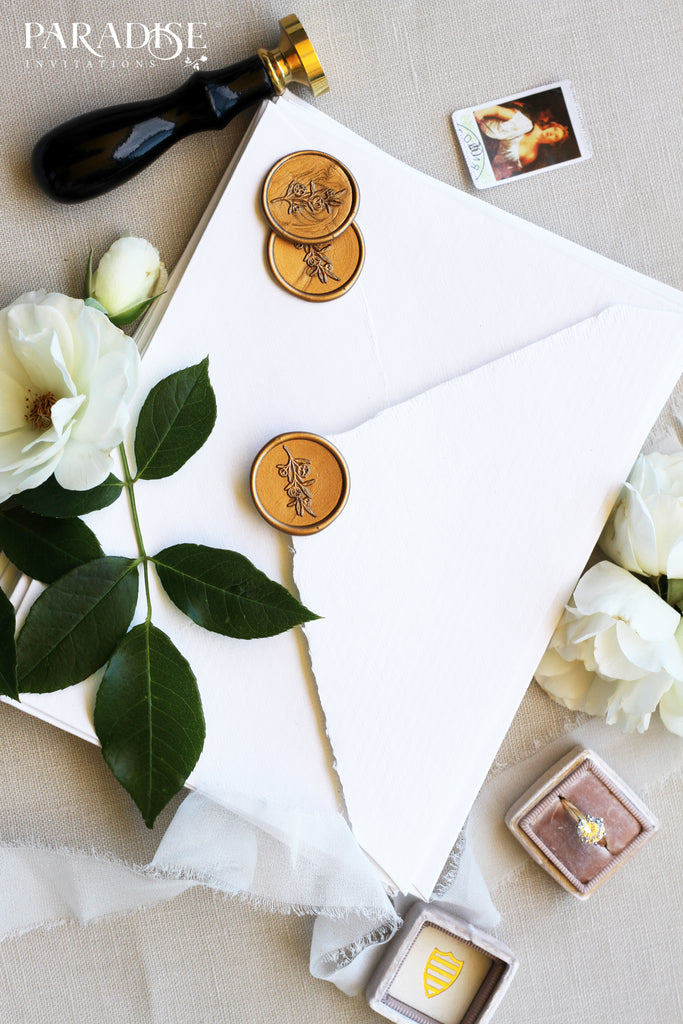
x: 472, y: 509
x: 450, y: 284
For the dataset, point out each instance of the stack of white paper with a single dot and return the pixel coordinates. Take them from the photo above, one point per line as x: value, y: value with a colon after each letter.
x: 449, y: 284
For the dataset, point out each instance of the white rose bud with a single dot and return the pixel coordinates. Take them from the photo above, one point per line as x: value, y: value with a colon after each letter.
x: 67, y: 378
x: 129, y: 276
x: 617, y: 652
x: 644, y: 532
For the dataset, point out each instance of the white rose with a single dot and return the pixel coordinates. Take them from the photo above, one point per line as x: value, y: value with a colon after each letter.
x: 67, y: 376
x: 129, y: 275
x: 617, y: 652
x: 644, y: 532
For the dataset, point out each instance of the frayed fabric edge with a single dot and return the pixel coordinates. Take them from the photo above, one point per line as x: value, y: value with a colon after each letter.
x: 187, y: 878
x: 345, y: 955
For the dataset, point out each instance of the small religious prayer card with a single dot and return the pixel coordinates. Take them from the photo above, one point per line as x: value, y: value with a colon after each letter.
x: 523, y: 134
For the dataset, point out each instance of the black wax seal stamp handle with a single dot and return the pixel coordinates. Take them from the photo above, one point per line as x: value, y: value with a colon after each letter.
x: 100, y: 150
x: 95, y: 152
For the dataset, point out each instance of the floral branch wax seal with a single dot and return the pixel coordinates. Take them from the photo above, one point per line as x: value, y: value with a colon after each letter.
x: 321, y: 271
x: 297, y: 473
x: 299, y: 482
x: 315, y: 251
x: 310, y: 197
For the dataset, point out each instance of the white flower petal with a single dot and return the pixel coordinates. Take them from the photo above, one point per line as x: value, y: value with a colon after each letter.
x: 128, y: 273
x: 611, y: 660
x: 671, y: 709
x: 597, y: 695
x: 642, y: 532
x: 584, y: 651
x: 87, y: 345
x: 667, y: 470
x: 627, y: 723
x: 106, y: 416
x: 667, y: 513
x: 13, y: 446
x: 82, y: 466
x: 649, y: 657
x: 587, y: 627
x: 43, y: 360
x: 13, y: 404
x: 56, y: 313
x: 674, y: 563
x: 643, y: 477
x: 642, y: 697
x: 54, y: 344
x: 22, y: 473
x: 647, y: 520
x: 63, y: 412
x: 37, y: 441
x: 615, y: 540
x: 608, y: 588
x: 567, y: 682
x: 631, y: 705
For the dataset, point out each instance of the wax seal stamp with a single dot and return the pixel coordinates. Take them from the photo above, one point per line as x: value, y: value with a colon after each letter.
x: 299, y: 482
x: 317, y: 271
x: 310, y: 197
x: 95, y: 152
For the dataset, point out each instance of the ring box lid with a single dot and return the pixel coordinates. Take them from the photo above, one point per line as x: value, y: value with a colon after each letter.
x: 423, y: 962
x: 548, y: 832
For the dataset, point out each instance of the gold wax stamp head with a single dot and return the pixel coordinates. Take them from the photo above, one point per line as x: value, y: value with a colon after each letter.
x: 317, y: 271
x: 310, y: 197
x: 294, y: 60
x: 299, y: 482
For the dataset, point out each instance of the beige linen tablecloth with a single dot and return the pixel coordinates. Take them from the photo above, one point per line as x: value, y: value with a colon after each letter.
x: 397, y: 70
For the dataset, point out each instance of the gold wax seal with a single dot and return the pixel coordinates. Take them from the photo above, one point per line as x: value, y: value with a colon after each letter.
x: 299, y: 482
x: 309, y: 197
x: 317, y: 271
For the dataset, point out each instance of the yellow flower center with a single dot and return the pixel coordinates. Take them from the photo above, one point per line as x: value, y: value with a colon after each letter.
x: 39, y: 409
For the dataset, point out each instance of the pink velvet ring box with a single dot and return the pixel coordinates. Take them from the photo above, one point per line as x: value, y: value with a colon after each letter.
x: 439, y: 969
x: 548, y: 832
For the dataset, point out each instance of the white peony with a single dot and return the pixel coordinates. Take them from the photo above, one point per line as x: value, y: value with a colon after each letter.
x: 129, y: 275
x: 67, y: 376
x: 617, y: 652
x: 644, y: 532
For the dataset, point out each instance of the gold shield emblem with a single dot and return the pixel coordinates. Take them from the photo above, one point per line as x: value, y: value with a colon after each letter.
x: 440, y: 972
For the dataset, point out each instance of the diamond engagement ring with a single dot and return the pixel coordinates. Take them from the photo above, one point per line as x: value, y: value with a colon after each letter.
x: 589, y: 829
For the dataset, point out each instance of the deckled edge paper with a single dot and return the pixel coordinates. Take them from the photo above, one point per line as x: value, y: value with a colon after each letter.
x: 473, y: 509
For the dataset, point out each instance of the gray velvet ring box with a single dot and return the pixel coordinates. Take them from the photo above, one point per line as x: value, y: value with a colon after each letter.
x: 548, y: 832
x: 440, y: 970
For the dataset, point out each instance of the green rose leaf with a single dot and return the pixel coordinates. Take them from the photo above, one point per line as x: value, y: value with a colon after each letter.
x: 126, y: 316
x: 74, y: 626
x: 88, y: 276
x: 46, y: 548
x: 149, y: 719
x: 94, y: 304
x: 674, y: 594
x: 177, y: 417
x: 222, y: 591
x: 8, y: 650
x: 52, y: 500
